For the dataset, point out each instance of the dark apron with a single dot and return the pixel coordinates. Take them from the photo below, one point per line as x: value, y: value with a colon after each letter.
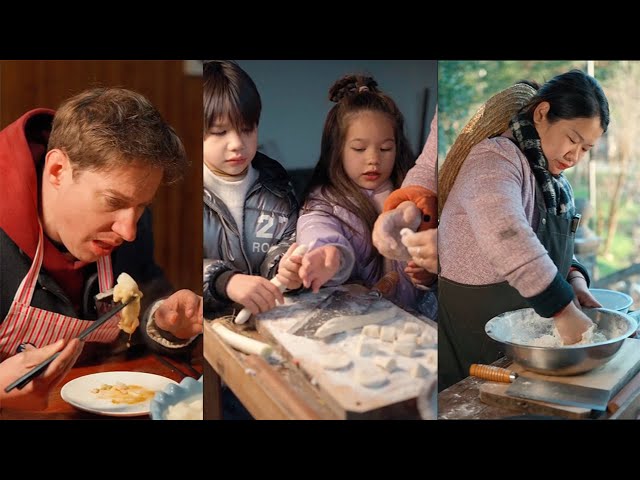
x: 465, y: 309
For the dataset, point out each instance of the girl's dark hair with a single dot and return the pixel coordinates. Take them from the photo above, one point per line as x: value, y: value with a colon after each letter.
x: 229, y: 92
x: 571, y: 95
x: 354, y: 94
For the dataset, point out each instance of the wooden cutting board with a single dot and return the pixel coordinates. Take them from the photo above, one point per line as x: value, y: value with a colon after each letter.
x: 612, y: 376
x: 340, y: 388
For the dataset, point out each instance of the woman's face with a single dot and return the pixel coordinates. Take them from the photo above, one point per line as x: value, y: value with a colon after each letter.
x: 564, y: 142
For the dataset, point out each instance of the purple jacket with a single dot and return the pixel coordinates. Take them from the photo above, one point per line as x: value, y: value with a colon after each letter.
x: 319, y: 227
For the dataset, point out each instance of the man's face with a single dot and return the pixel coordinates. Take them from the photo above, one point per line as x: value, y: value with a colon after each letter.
x: 96, y: 211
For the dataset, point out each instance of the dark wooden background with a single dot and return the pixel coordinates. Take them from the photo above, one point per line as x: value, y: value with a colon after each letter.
x: 177, y: 211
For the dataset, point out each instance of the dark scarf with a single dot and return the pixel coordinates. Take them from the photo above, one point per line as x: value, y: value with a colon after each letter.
x: 557, y: 192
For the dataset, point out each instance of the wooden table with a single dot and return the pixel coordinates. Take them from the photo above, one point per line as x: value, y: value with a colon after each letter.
x: 136, y: 359
x: 274, y: 392
x: 462, y: 402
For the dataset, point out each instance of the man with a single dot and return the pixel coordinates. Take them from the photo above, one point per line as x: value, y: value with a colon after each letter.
x: 75, y: 187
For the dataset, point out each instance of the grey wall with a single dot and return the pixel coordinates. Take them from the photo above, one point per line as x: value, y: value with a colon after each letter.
x: 294, y: 100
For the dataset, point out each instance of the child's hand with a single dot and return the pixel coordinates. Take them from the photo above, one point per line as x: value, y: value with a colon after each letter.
x: 319, y: 266
x: 418, y: 275
x: 256, y: 294
x: 289, y: 268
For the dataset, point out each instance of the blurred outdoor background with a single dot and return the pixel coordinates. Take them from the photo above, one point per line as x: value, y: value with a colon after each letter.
x: 607, y: 181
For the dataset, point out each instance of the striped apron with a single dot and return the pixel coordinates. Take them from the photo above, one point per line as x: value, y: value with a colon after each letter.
x: 25, y: 323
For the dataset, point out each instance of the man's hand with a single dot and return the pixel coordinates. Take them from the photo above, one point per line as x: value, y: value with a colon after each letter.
x: 386, y: 231
x: 180, y: 314
x: 319, y: 266
x: 35, y: 395
x: 256, y: 294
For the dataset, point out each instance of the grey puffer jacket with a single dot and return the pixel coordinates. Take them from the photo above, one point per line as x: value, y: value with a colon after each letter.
x: 270, y: 217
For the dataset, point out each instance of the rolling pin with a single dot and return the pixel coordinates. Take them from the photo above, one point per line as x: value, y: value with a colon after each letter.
x: 245, y: 314
x: 624, y: 394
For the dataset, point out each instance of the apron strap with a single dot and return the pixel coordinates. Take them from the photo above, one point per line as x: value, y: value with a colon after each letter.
x: 24, y: 294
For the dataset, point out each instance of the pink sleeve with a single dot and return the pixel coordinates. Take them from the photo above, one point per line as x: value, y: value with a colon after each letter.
x: 424, y: 172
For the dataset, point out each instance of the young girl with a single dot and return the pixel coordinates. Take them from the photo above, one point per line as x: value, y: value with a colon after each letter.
x: 364, y: 157
x: 250, y: 209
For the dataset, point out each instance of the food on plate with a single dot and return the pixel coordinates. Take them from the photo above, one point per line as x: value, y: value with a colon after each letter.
x: 123, y: 393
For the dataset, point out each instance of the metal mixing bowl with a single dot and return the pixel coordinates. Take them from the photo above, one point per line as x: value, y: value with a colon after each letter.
x: 567, y: 360
x: 612, y: 299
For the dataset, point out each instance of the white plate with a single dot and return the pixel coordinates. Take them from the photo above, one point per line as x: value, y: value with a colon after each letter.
x: 78, y: 393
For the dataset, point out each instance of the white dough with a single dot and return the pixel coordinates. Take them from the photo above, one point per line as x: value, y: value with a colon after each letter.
x: 125, y: 288
x: 240, y: 342
x: 387, y: 334
x: 412, y: 327
x: 365, y: 347
x: 388, y: 363
x: 371, y: 378
x: 342, y: 324
x: 372, y: 331
x: 335, y: 361
x: 404, y: 348
x: 427, y: 338
x: 431, y: 359
x: 418, y: 370
x: 407, y: 338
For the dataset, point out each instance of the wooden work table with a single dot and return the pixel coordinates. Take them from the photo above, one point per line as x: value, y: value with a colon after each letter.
x: 462, y: 402
x: 274, y: 392
x: 136, y: 359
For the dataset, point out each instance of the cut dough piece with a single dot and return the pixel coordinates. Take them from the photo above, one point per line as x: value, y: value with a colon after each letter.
x: 427, y: 338
x: 335, y: 361
x: 372, y: 331
x: 431, y: 359
x: 342, y: 324
x: 407, y: 337
x: 418, y: 370
x: 404, y: 348
x: 371, y: 378
x: 125, y: 288
x: 365, y: 348
x: 412, y: 327
x: 387, y: 334
x: 388, y: 363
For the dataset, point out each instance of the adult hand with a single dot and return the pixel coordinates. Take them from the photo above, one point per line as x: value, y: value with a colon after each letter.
x: 256, y: 294
x: 423, y: 248
x: 583, y: 295
x: 418, y: 275
x: 571, y: 323
x: 319, y: 266
x: 386, y: 231
x: 288, y: 269
x: 180, y: 314
x: 35, y: 395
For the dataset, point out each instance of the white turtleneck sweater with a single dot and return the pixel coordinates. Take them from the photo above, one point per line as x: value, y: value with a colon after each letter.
x: 231, y: 192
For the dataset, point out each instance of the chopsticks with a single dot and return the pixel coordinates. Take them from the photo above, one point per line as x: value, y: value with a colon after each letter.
x: 38, y: 369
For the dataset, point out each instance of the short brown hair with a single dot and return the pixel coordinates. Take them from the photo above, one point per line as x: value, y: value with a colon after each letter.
x: 101, y: 128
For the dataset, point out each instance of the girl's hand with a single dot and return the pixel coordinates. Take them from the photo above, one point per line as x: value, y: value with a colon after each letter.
x: 289, y: 268
x: 319, y: 266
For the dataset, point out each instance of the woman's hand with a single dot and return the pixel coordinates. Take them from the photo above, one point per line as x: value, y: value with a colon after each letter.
x: 571, y: 323
x: 423, y: 248
x: 386, y: 230
x: 584, y: 297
